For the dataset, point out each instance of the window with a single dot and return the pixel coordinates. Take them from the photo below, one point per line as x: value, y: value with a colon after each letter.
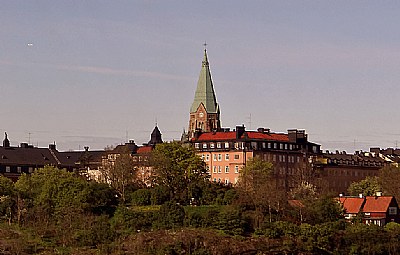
x: 214, y: 169
x: 219, y: 145
x: 204, y: 146
x: 8, y: 169
x: 202, y: 157
x: 236, y: 156
x: 281, y: 146
x: 215, y: 157
x: 227, y: 157
x: 219, y: 157
x: 197, y: 145
x: 274, y: 158
x: 290, y: 146
x: 208, y: 169
x: 263, y: 145
x: 219, y: 169
x: 236, y: 169
x: 208, y: 157
x: 19, y: 169
x: 392, y: 210
x: 269, y: 145
x: 212, y: 145
x: 215, y: 179
x: 226, y: 145
x: 226, y: 181
x: 226, y: 169
x: 30, y: 170
x: 275, y: 146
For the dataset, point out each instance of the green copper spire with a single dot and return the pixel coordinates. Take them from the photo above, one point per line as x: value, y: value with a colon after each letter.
x: 205, y: 90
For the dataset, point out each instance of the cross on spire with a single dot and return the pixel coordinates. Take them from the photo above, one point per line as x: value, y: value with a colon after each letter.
x: 205, y: 45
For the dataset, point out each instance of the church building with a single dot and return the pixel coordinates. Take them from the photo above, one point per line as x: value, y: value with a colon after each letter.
x: 205, y: 112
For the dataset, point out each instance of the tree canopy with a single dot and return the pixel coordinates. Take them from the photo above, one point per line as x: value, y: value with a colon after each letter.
x: 178, y: 169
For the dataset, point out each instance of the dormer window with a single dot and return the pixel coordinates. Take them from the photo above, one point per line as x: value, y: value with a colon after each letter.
x: 212, y: 145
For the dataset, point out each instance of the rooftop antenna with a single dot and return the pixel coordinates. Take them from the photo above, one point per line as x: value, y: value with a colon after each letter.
x: 249, y: 118
x: 395, y: 144
x: 126, y: 136
x: 29, y: 137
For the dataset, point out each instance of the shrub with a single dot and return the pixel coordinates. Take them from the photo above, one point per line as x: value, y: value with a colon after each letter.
x: 140, y: 197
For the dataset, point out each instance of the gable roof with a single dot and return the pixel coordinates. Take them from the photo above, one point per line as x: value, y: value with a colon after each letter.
x: 352, y: 205
x: 377, y: 204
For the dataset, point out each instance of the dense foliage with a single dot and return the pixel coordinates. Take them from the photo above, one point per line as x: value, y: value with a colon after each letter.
x: 55, y: 211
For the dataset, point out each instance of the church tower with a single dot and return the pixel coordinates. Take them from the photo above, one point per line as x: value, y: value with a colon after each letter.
x: 205, y: 112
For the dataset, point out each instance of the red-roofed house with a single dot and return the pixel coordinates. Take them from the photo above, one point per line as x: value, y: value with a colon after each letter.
x: 352, y: 206
x: 378, y: 210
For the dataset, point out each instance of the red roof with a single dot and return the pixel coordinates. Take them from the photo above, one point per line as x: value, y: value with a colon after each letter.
x: 377, y: 204
x: 144, y: 149
x: 231, y: 135
x: 352, y: 205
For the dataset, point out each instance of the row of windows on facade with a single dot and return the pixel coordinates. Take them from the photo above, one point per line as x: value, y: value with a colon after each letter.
x: 352, y: 162
x: 266, y: 157
x: 240, y: 145
x: 218, y: 157
x: 8, y: 169
x: 361, y: 173
x: 226, y: 181
x: 218, y: 169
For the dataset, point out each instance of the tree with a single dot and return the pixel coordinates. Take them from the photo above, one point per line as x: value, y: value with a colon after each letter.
x: 121, y: 174
x: 258, y: 187
x: 178, y: 169
x: 7, y: 198
x: 389, y: 179
x: 368, y: 187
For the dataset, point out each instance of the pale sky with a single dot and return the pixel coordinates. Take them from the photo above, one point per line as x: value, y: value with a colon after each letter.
x: 91, y: 73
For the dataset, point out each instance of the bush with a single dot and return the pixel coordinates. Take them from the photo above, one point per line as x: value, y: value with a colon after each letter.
x: 159, y: 195
x: 171, y: 215
x: 140, y: 197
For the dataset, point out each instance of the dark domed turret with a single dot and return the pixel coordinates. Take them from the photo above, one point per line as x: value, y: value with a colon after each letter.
x: 6, y: 142
x: 155, y: 137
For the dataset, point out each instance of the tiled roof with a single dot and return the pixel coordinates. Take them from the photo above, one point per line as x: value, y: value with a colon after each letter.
x: 352, y: 205
x: 377, y: 204
x: 26, y: 156
x: 144, y: 149
x: 231, y: 135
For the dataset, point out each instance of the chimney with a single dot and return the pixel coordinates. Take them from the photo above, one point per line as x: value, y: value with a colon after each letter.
x: 240, y: 131
x: 360, y: 195
x: 86, y: 148
x: 378, y: 194
x: 52, y: 147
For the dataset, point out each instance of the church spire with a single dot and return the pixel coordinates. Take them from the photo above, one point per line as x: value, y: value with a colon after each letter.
x: 205, y: 89
x: 204, y: 112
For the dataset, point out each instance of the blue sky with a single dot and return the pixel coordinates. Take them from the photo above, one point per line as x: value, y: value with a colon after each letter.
x: 95, y: 72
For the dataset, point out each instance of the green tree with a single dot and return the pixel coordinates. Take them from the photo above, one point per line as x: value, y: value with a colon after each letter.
x: 323, y: 209
x: 178, y: 169
x: 368, y: 187
x: 121, y: 174
x: 7, y: 198
x: 257, y: 187
x: 389, y: 179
